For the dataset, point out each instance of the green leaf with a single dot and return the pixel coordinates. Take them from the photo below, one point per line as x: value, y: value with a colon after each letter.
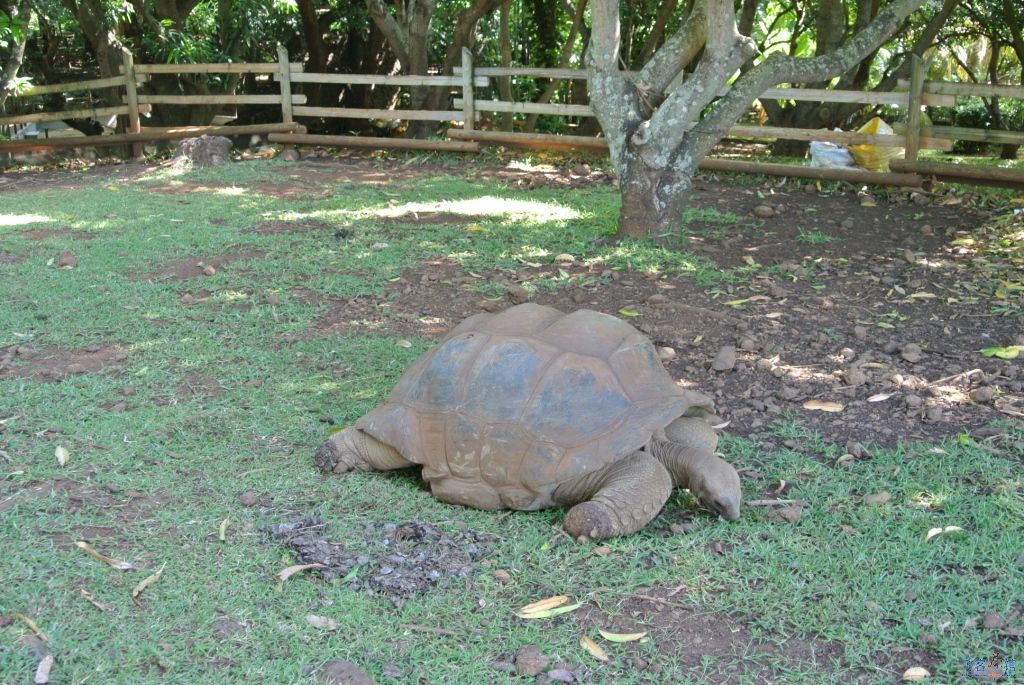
x: 629, y: 312
x: 1011, y: 352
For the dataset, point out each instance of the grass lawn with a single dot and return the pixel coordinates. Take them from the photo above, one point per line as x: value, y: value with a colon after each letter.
x: 216, y: 389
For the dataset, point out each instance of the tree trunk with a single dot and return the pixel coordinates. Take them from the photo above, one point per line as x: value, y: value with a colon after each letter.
x: 505, y: 48
x: 653, y: 201
x: 14, y: 60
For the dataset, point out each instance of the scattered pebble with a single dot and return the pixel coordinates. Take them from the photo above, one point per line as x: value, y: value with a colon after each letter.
x: 342, y: 672
x: 911, y: 352
x: 993, y: 621
x: 489, y: 305
x: 666, y: 354
x: 855, y: 377
x: 879, y: 498
x: 66, y: 260
x: 209, y: 270
x: 530, y: 662
x: 517, y: 294
x: 928, y: 639
x: 916, y: 673
x: 657, y: 299
x: 248, y: 498
x: 985, y: 393
x: 725, y: 360
x: 560, y: 675
x: 764, y: 211
x: 502, y: 576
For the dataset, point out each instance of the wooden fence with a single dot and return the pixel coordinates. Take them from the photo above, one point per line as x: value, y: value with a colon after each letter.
x: 467, y: 107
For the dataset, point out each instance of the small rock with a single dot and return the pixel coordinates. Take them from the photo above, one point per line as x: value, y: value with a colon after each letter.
x: 118, y: 407
x: 666, y: 354
x: 993, y: 621
x: 561, y: 675
x: 725, y: 359
x: 933, y: 413
x: 985, y: 393
x: 911, y: 352
x: 342, y: 672
x: 848, y: 354
x: 187, y: 299
x: 788, y: 514
x: 602, y: 551
x: 764, y: 211
x: 913, y: 401
x: 209, y: 270
x: 854, y: 377
x: 290, y: 154
x: 657, y: 299
x: 518, y: 295
x: 530, y: 662
x: 113, y: 488
x: 502, y: 576
x: 272, y: 299
x: 928, y: 639
x: 565, y: 258
x: 248, y: 498
x: 879, y: 498
x: 748, y: 344
x: 66, y: 260
x: 927, y: 230
x: 489, y: 305
x: 379, y: 246
x: 909, y: 257
x: 503, y: 666
x: 127, y: 391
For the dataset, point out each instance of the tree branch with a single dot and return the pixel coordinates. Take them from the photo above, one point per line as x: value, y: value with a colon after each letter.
x: 677, y: 52
x: 391, y: 30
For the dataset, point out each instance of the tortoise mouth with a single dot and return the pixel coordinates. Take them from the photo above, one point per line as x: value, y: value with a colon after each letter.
x: 727, y: 509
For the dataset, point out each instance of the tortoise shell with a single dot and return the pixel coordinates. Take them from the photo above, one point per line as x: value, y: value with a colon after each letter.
x: 510, y: 405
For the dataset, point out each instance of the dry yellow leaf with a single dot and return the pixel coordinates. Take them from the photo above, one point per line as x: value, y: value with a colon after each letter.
x: 146, y: 582
x: 62, y: 455
x: 622, y: 637
x: 92, y: 600
x: 113, y: 563
x: 222, y: 532
x: 821, y: 405
x: 939, y: 531
x: 31, y: 625
x: 543, y: 604
x: 594, y: 649
x: 298, y: 568
x: 916, y: 673
x: 548, y: 613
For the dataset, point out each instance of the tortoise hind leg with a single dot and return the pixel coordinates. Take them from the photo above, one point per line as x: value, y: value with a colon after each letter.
x: 618, y: 500
x: 354, y: 450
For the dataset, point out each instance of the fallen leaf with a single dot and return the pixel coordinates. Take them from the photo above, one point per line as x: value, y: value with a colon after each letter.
x: 298, y: 568
x: 736, y: 304
x: 629, y: 312
x: 774, y: 315
x: 939, y: 531
x: 548, y: 613
x: 322, y: 622
x: 92, y: 600
x: 31, y: 625
x: 146, y: 582
x: 789, y: 514
x: 821, y: 405
x: 880, y: 397
x: 1011, y: 352
x: 916, y: 673
x: 404, y: 343
x: 879, y: 498
x: 621, y: 637
x: 43, y: 670
x: 595, y: 649
x: 223, y: 530
x: 747, y: 259
x: 113, y: 563
x: 62, y: 455
x: 543, y: 604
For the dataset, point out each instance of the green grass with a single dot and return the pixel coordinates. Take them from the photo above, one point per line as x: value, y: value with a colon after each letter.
x: 842, y: 573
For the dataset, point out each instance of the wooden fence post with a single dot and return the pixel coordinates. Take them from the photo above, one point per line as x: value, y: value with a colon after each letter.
x: 132, y: 100
x: 468, y: 100
x: 284, y: 75
x: 914, y: 108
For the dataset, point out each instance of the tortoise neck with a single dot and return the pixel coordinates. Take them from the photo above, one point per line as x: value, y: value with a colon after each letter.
x: 682, y: 462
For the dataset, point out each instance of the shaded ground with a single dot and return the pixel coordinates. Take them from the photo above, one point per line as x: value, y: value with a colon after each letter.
x: 55, y: 364
x: 870, y: 307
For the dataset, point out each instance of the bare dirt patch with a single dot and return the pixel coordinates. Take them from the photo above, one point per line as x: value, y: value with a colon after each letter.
x: 395, y: 559
x: 11, y: 258
x: 195, y: 267
x: 429, y: 218
x: 55, y: 364
x: 270, y: 227
x: 42, y: 233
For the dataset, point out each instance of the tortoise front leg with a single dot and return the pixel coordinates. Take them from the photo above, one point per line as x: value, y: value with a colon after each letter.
x: 354, y: 450
x: 620, y: 499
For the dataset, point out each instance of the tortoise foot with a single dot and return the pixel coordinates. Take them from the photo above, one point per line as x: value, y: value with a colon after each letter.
x: 593, y: 520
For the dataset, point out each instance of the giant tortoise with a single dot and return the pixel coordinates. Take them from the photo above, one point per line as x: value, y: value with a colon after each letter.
x: 531, y: 408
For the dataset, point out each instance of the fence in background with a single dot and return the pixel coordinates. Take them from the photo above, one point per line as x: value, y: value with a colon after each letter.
x: 466, y: 108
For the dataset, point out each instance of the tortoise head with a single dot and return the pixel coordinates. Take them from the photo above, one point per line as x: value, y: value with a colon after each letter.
x: 717, y: 485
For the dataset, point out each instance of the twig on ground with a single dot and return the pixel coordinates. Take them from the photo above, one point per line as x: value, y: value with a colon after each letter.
x: 954, y: 377
x: 428, y: 629
x: 773, y: 502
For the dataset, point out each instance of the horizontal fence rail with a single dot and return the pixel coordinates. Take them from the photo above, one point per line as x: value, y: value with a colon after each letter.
x: 464, y: 135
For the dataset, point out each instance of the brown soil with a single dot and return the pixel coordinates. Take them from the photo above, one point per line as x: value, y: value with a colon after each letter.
x: 11, y: 258
x: 41, y: 233
x: 272, y: 226
x: 55, y: 363
x: 829, y: 322
x: 184, y: 269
